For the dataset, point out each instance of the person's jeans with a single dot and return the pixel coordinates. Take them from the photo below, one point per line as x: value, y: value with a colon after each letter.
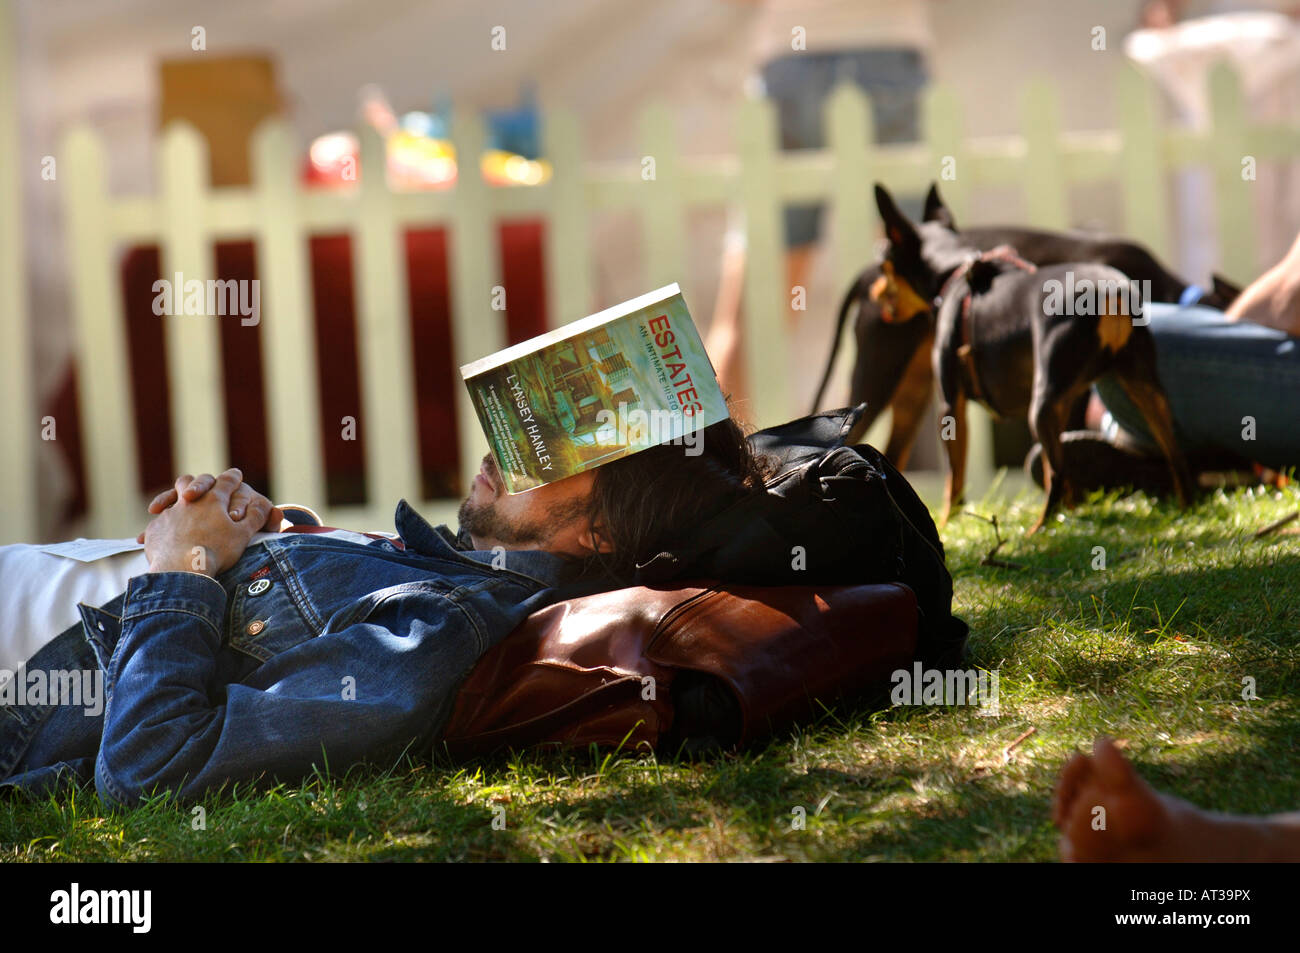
x: 799, y: 83
x: 1233, y: 387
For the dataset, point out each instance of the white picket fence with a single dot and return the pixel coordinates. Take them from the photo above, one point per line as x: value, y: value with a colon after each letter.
x: 187, y: 216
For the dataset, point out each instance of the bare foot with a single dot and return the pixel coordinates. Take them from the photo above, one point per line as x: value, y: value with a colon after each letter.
x: 1106, y: 812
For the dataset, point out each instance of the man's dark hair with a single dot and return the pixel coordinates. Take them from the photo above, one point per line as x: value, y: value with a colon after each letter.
x: 651, y: 501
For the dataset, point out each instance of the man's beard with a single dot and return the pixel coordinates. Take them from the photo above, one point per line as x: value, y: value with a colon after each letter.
x: 484, y: 521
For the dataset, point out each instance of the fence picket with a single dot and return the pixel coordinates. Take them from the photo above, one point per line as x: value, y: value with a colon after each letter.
x: 103, y: 397
x: 477, y: 330
x: 1233, y: 193
x: 19, y: 426
x: 385, y: 361
x: 198, y: 417
x: 1045, y: 187
x: 290, y: 365
x: 187, y: 216
x: 851, y: 138
x: 941, y: 117
x: 764, y: 301
x: 663, y: 220
x: 568, y: 249
x: 1142, y: 182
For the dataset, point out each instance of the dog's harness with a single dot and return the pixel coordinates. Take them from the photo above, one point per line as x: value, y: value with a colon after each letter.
x: 1004, y: 254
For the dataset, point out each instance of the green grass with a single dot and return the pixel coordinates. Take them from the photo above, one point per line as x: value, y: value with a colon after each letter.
x: 1153, y: 650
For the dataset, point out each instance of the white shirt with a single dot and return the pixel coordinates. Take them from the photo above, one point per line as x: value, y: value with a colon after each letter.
x: 40, y: 590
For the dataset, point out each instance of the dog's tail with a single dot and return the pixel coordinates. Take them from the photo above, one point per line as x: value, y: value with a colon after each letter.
x: 852, y: 295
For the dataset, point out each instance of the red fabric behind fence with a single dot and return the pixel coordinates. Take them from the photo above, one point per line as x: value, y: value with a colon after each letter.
x: 436, y: 376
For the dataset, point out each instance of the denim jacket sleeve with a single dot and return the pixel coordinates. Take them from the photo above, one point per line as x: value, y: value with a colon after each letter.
x: 170, y: 723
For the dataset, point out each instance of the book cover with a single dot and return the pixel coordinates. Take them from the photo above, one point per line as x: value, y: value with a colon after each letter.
x: 591, y: 392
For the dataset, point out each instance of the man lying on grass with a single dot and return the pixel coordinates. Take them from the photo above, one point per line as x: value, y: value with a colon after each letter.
x: 240, y: 654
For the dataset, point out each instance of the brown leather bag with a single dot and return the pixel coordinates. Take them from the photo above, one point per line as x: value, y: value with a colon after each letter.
x: 602, y: 668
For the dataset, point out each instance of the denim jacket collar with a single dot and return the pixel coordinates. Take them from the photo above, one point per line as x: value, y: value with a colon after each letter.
x: 418, y: 535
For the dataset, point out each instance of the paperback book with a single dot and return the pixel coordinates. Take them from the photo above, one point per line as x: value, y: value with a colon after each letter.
x: 591, y: 392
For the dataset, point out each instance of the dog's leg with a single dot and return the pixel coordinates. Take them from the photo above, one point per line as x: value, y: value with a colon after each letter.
x: 1149, y: 397
x: 885, y: 353
x: 910, y: 401
x: 1048, y: 433
x: 952, y: 421
x: 1048, y: 413
x: 952, y: 433
x: 1135, y: 371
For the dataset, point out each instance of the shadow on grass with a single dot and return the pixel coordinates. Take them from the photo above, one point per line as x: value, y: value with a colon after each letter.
x: 867, y: 813
x: 914, y: 807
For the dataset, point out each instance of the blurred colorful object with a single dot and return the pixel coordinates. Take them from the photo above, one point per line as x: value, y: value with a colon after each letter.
x: 420, y: 156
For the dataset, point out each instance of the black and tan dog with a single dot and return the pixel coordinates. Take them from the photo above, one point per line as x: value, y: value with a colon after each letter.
x: 1024, y: 340
x: 894, y: 324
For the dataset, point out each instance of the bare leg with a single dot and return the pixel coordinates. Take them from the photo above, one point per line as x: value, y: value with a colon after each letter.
x: 724, y: 343
x: 798, y: 265
x: 1273, y: 299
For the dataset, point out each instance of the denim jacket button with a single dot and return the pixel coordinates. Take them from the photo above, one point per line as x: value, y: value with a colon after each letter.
x: 255, y: 627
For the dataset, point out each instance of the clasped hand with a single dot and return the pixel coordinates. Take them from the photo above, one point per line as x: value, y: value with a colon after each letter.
x: 204, y: 524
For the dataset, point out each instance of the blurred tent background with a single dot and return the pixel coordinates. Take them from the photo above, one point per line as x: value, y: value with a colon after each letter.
x: 85, y: 61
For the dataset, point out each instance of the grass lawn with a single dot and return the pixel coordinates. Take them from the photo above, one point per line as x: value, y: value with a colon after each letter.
x: 1153, y: 650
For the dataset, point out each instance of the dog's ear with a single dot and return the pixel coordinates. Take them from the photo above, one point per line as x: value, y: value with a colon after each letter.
x: 900, y: 232
x: 1225, y: 292
x: 936, y: 211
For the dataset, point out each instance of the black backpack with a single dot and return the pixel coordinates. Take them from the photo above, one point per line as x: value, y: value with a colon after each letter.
x: 832, y: 514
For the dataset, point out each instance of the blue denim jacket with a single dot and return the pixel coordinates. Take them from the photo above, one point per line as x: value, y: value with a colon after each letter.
x: 311, y: 651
